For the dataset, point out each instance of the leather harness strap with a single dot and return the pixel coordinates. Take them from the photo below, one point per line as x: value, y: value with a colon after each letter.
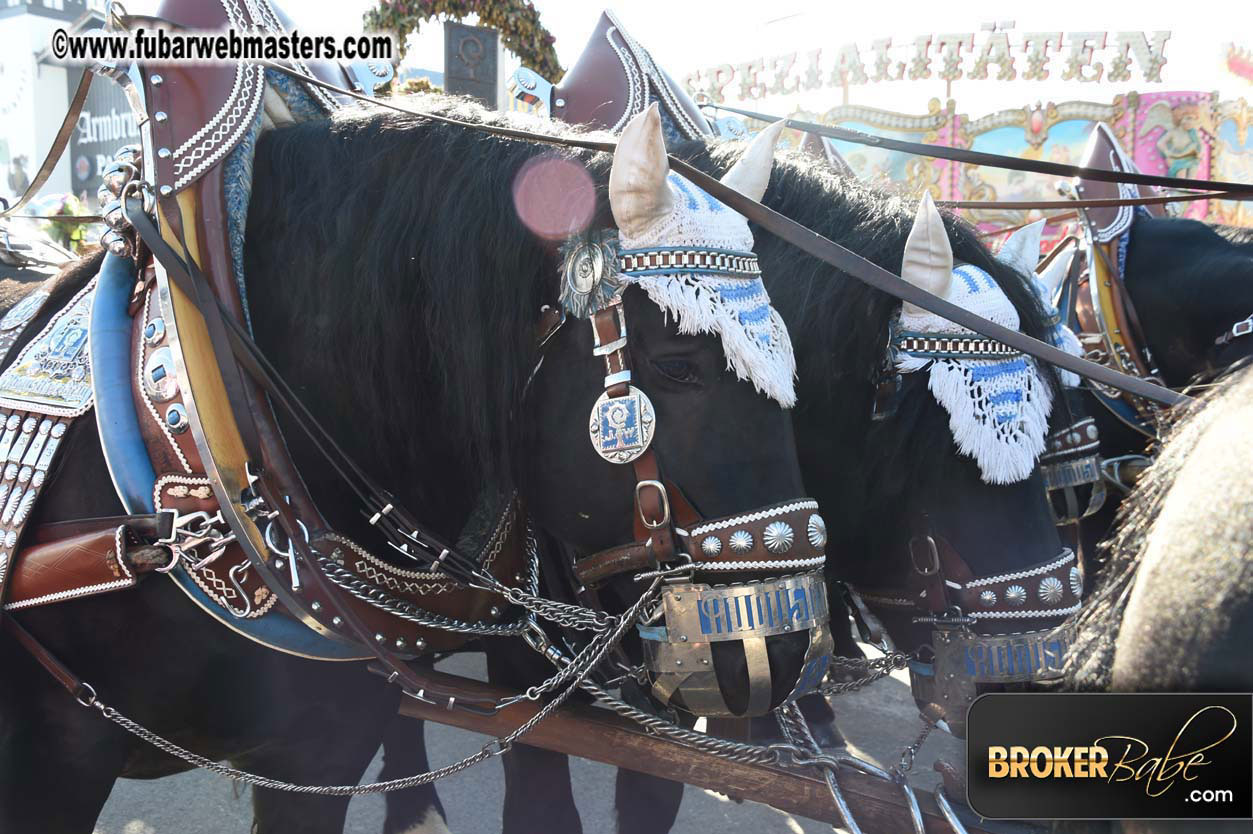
x: 1043, y: 590
x: 72, y: 683
x: 59, y: 143
x: 652, y: 522
x: 781, y: 536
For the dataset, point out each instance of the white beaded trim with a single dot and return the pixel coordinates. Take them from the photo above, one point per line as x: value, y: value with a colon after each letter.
x: 64, y: 595
x: 73, y: 593
x: 1068, y: 555
x: 751, y: 517
x: 762, y: 565
x: 1006, y: 615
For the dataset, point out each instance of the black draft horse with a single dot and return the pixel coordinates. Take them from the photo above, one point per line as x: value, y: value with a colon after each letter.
x: 393, y: 284
x: 1190, y: 282
x: 869, y: 475
x: 1173, y: 607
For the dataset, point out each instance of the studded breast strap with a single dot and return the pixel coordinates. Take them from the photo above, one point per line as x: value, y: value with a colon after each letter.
x: 42, y: 392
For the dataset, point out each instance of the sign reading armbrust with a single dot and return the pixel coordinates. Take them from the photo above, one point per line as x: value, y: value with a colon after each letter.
x: 1111, y: 756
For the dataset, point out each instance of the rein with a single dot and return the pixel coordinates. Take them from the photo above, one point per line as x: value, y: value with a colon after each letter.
x: 814, y: 244
x: 789, y: 230
x: 991, y: 160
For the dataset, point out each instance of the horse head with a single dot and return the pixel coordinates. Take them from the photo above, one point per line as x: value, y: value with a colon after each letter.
x: 921, y: 441
x: 691, y: 459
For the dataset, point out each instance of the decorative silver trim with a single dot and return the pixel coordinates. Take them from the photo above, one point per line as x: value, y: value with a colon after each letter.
x: 1068, y: 555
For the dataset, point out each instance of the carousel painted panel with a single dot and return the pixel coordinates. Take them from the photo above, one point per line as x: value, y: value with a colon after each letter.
x: 893, y: 168
x: 1174, y: 135
x: 1232, y: 160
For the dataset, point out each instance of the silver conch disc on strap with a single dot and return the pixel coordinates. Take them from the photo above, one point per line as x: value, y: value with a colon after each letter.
x: 621, y: 428
x: 680, y: 654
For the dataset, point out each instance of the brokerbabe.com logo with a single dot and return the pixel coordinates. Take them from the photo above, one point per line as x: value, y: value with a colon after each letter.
x: 1111, y: 756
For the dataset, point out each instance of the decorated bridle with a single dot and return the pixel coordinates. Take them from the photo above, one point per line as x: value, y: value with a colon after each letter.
x: 1071, y: 458
x: 998, y: 409
x: 671, y: 536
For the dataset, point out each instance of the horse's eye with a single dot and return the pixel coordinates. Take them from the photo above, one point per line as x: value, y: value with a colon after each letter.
x: 679, y: 370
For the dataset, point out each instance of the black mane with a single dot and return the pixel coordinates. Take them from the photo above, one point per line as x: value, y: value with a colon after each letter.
x: 395, y: 240
x: 1209, y: 591
x: 839, y: 326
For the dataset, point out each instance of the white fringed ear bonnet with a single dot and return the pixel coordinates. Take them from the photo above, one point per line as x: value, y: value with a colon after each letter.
x: 998, y: 406
x: 1021, y: 250
x: 693, y: 255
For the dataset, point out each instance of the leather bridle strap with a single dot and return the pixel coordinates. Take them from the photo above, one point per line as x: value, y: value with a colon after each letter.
x: 991, y: 160
x: 653, y: 522
x: 59, y: 142
x: 818, y: 246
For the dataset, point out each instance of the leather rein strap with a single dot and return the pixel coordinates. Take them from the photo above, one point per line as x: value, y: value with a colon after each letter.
x: 823, y: 248
x: 59, y: 142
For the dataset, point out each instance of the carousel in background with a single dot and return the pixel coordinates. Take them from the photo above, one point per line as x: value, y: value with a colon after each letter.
x: 1182, y: 133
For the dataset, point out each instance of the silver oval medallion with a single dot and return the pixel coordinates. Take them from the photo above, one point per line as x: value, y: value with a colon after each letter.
x: 585, y: 268
x: 23, y: 311
x: 160, y: 380
x: 621, y: 428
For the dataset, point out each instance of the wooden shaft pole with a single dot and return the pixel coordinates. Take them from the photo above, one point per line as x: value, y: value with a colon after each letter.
x: 599, y: 735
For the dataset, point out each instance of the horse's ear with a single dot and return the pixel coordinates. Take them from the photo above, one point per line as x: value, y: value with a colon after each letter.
x: 1052, y: 276
x: 638, y: 193
x: 1021, y: 250
x: 928, y: 261
x: 751, y: 174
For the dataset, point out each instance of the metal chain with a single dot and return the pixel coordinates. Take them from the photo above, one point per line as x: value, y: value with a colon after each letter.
x: 723, y: 748
x: 906, y: 763
x: 875, y: 669
x: 559, y: 613
x: 579, y: 669
x: 405, y: 610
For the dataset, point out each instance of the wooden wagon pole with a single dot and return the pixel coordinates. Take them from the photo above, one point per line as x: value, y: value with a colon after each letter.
x: 597, y: 734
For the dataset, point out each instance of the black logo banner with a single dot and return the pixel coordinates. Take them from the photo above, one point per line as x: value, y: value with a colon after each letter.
x: 1111, y: 756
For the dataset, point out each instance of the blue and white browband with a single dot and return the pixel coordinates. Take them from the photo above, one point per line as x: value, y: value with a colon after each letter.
x: 663, y: 260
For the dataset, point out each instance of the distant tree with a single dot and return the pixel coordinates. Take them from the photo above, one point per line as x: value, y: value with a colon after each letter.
x: 518, y: 23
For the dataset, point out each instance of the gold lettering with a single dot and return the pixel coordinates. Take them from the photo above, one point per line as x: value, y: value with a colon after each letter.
x: 998, y: 767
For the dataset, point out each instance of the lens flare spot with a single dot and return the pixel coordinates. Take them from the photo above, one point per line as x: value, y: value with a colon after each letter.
x: 554, y: 197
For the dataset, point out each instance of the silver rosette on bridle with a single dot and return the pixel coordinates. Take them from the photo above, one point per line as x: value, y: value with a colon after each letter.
x: 589, y: 273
